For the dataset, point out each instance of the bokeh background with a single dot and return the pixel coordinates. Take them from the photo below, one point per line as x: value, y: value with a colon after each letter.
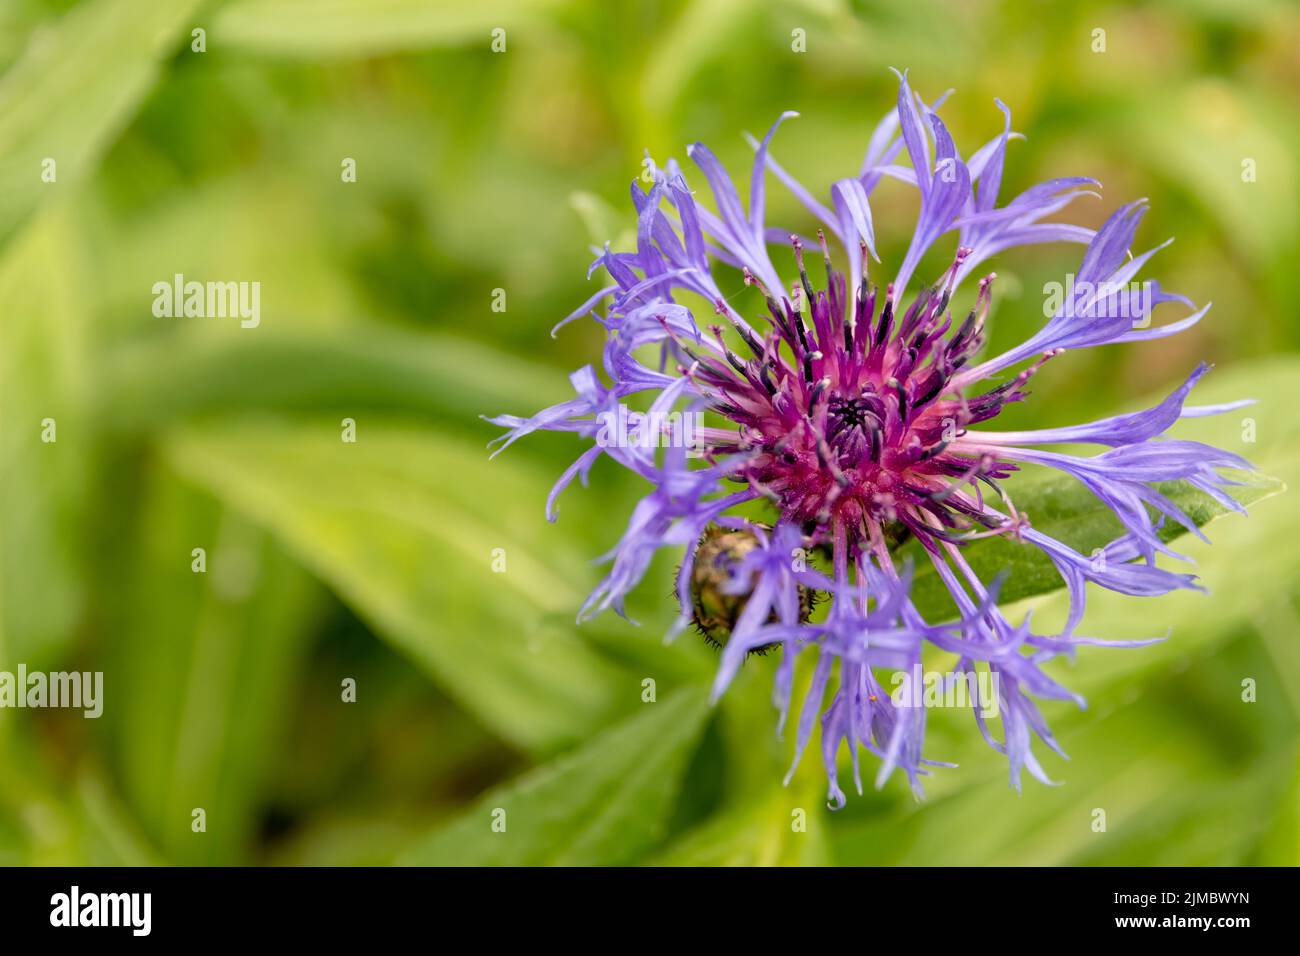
x: 478, y: 171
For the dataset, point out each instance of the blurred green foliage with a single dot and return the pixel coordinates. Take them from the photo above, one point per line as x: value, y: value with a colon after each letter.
x: 479, y: 171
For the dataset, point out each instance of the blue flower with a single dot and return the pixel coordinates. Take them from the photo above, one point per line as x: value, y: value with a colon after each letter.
x: 857, y: 414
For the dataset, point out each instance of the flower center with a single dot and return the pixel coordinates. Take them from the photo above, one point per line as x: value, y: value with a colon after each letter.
x: 853, y: 423
x: 844, y: 413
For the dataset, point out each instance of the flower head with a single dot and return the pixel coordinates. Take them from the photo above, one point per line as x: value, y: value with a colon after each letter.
x: 860, y: 413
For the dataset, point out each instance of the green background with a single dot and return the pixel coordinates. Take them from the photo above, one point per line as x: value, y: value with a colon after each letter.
x: 479, y: 171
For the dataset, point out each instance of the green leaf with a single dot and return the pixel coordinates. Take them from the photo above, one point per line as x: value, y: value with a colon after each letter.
x: 1147, y: 750
x: 787, y: 829
x: 1193, y: 138
x: 202, y: 669
x: 43, y: 394
x: 1249, y: 568
x: 151, y: 384
x: 1061, y: 507
x: 604, y: 804
x: 72, y: 91
x: 316, y: 28
x: 406, y: 525
x: 1280, y: 844
x: 109, y: 832
x: 1174, y: 832
x: 47, y: 819
x: 1127, y: 765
